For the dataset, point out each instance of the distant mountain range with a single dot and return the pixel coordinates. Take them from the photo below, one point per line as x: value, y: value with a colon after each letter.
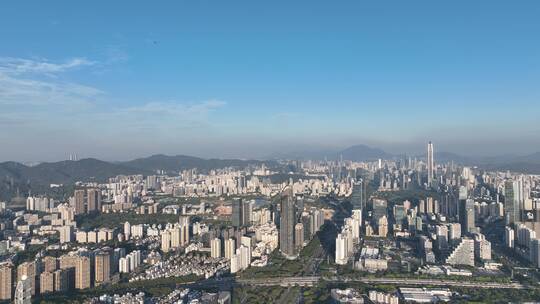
x: 15, y: 175
x: 527, y: 164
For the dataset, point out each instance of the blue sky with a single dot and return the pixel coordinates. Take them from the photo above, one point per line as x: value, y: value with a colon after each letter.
x: 122, y: 79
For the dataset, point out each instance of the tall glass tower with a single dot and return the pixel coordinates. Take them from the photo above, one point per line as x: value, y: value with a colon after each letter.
x: 430, y: 164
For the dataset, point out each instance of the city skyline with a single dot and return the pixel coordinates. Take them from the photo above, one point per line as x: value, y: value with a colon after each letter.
x: 211, y: 80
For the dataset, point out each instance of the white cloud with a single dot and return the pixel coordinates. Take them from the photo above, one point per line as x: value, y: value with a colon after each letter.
x: 34, y: 82
x: 19, y: 66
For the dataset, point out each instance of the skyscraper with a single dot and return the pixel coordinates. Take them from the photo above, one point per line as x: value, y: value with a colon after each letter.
x: 466, y: 216
x: 237, y: 212
x: 357, y: 195
x: 287, y: 223
x: 247, y: 209
x: 430, y: 164
x: 512, y: 201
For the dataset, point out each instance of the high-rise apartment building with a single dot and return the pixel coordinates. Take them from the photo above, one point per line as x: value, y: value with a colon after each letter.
x: 28, y: 270
x: 509, y: 237
x: 230, y: 247
x: 299, y: 236
x: 50, y: 263
x: 341, y: 250
x: 102, y: 268
x: 61, y: 279
x: 66, y: 234
x: 78, y: 198
x: 46, y: 282
x: 6, y: 282
x: 166, y: 241
x: 215, y: 248
x: 83, y: 273
x: 23, y: 292
x: 94, y: 200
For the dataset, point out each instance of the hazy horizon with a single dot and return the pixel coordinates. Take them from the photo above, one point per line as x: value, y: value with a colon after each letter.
x: 212, y: 80
x: 304, y: 151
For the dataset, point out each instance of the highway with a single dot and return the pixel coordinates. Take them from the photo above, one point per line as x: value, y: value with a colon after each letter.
x: 313, y: 280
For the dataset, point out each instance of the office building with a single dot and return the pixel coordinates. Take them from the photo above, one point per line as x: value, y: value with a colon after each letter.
x: 287, y: 223
x: 237, y: 212
x: 467, y: 216
x: 512, y: 201
x: 430, y: 164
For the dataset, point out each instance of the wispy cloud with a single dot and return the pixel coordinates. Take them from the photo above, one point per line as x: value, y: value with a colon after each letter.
x: 163, y: 115
x: 115, y: 54
x: 41, y: 102
x: 173, y: 108
x: 27, y: 91
x: 285, y: 116
x: 10, y: 65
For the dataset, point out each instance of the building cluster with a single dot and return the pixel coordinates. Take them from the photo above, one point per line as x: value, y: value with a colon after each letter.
x: 80, y: 269
x: 179, y: 295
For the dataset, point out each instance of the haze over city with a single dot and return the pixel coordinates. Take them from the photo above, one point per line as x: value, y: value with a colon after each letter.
x: 290, y: 152
x: 255, y: 79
